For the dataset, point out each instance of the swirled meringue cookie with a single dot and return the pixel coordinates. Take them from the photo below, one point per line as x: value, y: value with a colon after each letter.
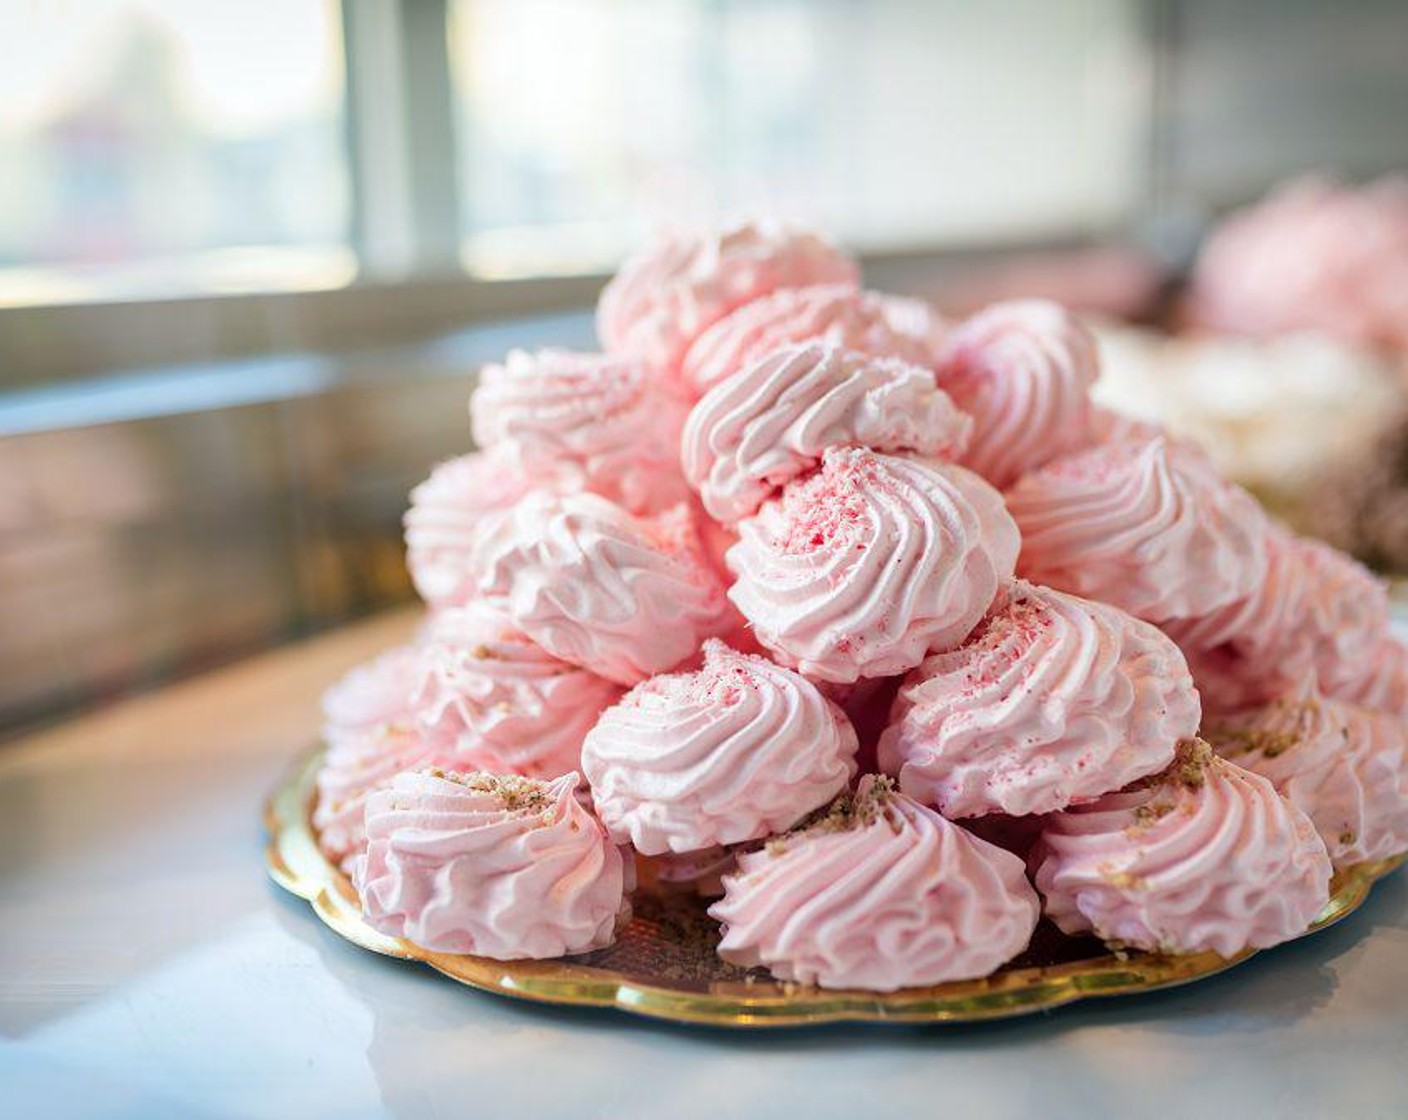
x: 1052, y: 700
x: 496, y: 701
x: 371, y: 736
x: 1382, y: 684
x: 1205, y: 857
x: 667, y: 296
x: 1316, y: 611
x: 737, y: 750
x: 626, y: 597
x: 1023, y: 371
x: 449, y: 510
x: 877, y: 892
x: 497, y: 866
x: 917, y: 320
x: 1149, y: 527
x: 833, y: 314
x: 1344, y: 766
x: 603, y: 417
x: 864, y: 566
x: 769, y: 423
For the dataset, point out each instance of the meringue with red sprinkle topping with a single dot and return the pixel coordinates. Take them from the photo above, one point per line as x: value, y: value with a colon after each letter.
x: 496, y: 701
x: 1149, y: 527
x: 834, y: 314
x: 664, y: 298
x: 1023, y: 371
x: 1316, y: 611
x: 449, y: 510
x: 1052, y: 700
x: 604, y: 417
x: 1346, y: 767
x: 766, y: 425
x: 736, y: 750
x: 1206, y: 857
x: 623, y: 596
x: 494, y: 865
x: 863, y: 567
x: 876, y: 892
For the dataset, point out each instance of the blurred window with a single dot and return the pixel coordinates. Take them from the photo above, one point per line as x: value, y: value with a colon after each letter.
x: 155, y: 146
x: 892, y: 123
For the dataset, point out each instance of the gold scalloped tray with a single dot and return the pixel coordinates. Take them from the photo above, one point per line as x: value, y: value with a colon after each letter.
x: 664, y: 965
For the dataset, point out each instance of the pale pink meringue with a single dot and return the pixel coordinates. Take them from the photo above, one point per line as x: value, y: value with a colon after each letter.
x: 754, y: 432
x: 663, y: 299
x: 834, y: 314
x: 1149, y: 527
x: 602, y: 417
x: 863, y: 567
x: 494, y: 700
x: 1023, y: 371
x: 1382, y: 683
x: 626, y: 597
x: 497, y: 866
x: 375, y: 694
x: 449, y: 511
x: 1206, y: 857
x: 1344, y: 766
x: 737, y: 750
x: 878, y: 893
x: 917, y: 320
x: 1315, y: 611
x: 1052, y: 700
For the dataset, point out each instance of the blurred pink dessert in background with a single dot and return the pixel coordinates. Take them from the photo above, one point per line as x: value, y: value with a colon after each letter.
x: 734, y: 751
x: 493, y: 700
x: 876, y: 892
x: 768, y: 423
x: 1205, y: 857
x: 861, y: 568
x: 1052, y: 700
x: 668, y: 295
x: 503, y: 867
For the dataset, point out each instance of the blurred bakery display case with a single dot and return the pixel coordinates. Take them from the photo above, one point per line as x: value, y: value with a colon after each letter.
x: 252, y: 256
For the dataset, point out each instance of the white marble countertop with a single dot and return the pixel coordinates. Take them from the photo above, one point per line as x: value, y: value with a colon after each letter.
x: 148, y: 969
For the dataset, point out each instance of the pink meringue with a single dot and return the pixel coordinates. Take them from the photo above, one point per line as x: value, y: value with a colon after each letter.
x: 1316, y: 611
x: 496, y: 701
x: 1382, y: 683
x: 662, y: 300
x: 375, y: 694
x: 917, y: 320
x: 623, y: 596
x: 863, y: 567
x: 603, y: 417
x: 836, y: 315
x: 769, y: 423
x: 502, y: 867
x: 878, y: 893
x: 1345, y: 767
x: 734, y: 751
x: 1148, y: 527
x: 1206, y: 857
x: 1052, y: 700
x: 449, y: 510
x: 1023, y: 371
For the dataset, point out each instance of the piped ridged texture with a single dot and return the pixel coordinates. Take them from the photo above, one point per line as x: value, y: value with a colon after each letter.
x: 1316, y: 612
x: 734, y: 751
x: 501, y: 867
x: 664, y: 298
x: 1206, y: 857
x: 835, y: 315
x: 494, y: 700
x: 1023, y: 371
x: 1053, y: 699
x: 1346, y: 767
x: 1149, y: 527
x: 769, y: 423
x: 863, y: 567
x: 878, y: 893
x: 604, y: 418
x: 1382, y: 683
x: 623, y: 596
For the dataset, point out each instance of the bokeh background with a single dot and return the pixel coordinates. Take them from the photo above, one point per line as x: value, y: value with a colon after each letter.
x: 251, y: 254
